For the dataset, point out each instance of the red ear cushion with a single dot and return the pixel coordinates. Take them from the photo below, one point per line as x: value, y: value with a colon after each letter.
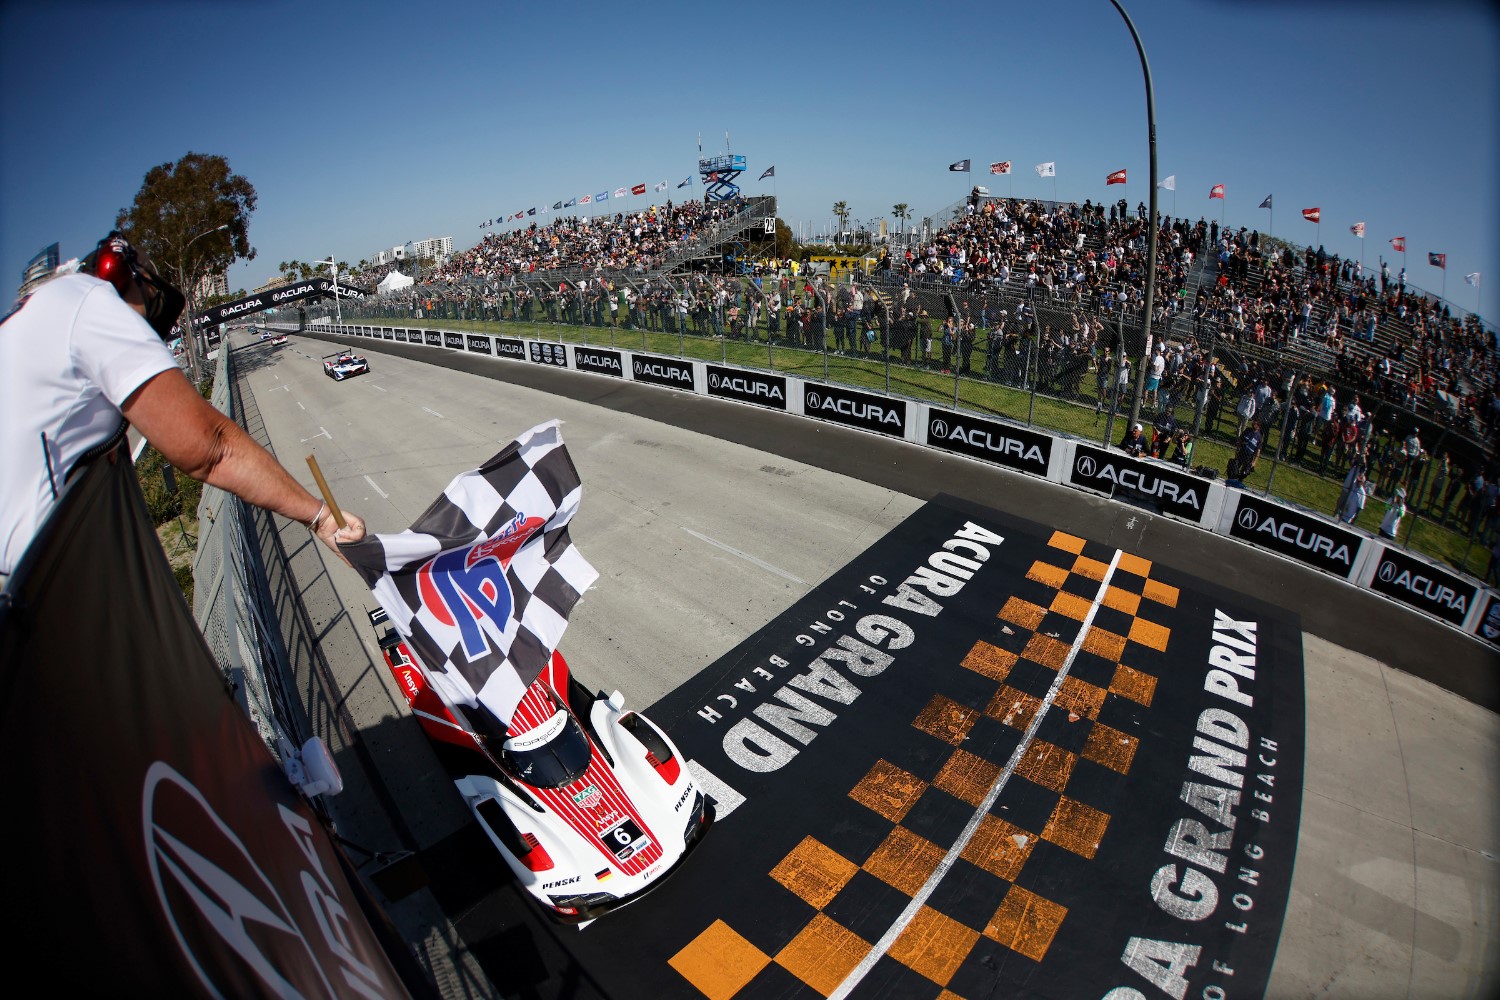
x: 112, y: 266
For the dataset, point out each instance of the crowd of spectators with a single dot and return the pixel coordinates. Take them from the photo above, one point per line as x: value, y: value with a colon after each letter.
x: 631, y: 242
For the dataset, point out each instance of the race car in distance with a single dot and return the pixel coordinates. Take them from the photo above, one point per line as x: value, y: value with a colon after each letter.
x: 343, y: 364
x: 280, y: 340
x: 591, y: 806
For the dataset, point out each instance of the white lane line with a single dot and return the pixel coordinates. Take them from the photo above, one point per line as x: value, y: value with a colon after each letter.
x: 745, y: 556
x: 383, y: 494
x: 374, y: 386
x: 322, y: 433
x: 920, y: 899
x: 300, y: 406
x: 435, y: 413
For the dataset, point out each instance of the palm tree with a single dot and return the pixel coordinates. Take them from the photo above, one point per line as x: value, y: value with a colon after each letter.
x: 841, y: 211
x: 902, y: 211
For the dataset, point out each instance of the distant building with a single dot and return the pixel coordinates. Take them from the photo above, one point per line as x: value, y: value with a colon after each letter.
x: 38, y: 269
x: 438, y: 250
x: 210, y: 285
x: 276, y: 282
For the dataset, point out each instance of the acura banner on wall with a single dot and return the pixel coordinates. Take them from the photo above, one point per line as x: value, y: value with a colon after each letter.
x: 1148, y: 483
x: 1306, y: 538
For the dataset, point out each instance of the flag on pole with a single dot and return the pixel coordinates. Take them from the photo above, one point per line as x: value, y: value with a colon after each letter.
x: 1168, y: 183
x: 1118, y: 177
x: 1003, y: 167
x: 685, y: 181
x: 557, y: 204
x: 768, y: 172
x: 531, y: 211
x: 1217, y: 191
x: 1047, y: 169
x: 962, y: 167
x: 481, y: 586
x: 1438, y: 260
x: 573, y: 201
x: 1398, y: 244
x: 1266, y: 203
x: 1472, y: 279
x: 621, y: 192
x: 602, y: 196
x: 1358, y: 229
x: 1313, y: 214
x: 638, y: 189
x: 585, y: 200
x: 662, y: 186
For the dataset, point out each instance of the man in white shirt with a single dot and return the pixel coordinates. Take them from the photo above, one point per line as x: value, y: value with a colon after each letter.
x: 81, y: 355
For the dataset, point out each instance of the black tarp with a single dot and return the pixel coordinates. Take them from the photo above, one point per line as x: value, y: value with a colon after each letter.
x: 152, y: 845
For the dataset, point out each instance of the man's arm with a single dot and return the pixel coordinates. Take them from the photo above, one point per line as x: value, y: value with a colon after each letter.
x: 207, y: 445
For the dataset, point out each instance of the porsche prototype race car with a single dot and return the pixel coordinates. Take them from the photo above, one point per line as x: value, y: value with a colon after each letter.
x: 591, y: 806
x: 280, y: 340
x: 344, y: 364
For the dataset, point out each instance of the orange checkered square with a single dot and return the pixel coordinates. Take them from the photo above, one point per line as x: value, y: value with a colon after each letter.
x: 1047, y: 764
x: 888, y: 791
x: 999, y: 847
x: 1076, y: 827
x: 814, y: 872
x: 1133, y: 684
x: 946, y: 719
x: 1047, y: 651
x: 1014, y: 708
x: 967, y: 777
x: 1026, y: 923
x: 1022, y: 613
x: 904, y: 860
x: 823, y: 954
x: 934, y: 945
x: 990, y: 661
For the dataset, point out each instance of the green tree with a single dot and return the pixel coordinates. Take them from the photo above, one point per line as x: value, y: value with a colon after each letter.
x: 902, y: 211
x: 841, y: 212
x: 176, y: 216
x: 191, y: 218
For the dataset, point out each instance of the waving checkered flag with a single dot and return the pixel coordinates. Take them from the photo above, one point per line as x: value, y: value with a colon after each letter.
x: 482, y: 584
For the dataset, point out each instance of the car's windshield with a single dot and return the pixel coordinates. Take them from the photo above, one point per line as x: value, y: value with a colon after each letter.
x: 554, y: 754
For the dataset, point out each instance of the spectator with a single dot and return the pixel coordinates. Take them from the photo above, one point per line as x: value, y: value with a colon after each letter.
x: 1394, y: 511
x: 1134, y: 442
x: 1355, y: 501
x: 82, y: 355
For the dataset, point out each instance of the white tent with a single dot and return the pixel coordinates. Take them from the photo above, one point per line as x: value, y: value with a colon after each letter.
x: 394, y: 282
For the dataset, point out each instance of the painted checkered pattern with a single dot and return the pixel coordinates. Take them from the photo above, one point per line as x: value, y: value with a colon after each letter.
x: 997, y: 907
x: 531, y: 478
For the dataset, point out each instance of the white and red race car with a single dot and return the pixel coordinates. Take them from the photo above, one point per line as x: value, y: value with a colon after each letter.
x: 591, y: 806
x: 280, y: 340
x: 344, y: 364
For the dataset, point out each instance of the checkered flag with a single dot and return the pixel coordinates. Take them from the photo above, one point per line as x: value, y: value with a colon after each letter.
x: 482, y: 584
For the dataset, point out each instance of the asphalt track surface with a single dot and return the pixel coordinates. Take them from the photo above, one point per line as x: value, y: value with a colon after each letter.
x: 985, y: 814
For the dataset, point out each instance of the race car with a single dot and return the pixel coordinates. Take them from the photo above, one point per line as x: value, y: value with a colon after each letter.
x: 591, y: 806
x: 344, y: 364
x: 280, y: 340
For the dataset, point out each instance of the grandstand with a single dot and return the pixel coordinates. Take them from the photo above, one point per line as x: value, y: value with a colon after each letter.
x: 1039, y: 301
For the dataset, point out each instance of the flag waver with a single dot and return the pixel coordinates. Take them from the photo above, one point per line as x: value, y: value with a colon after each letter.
x: 482, y: 584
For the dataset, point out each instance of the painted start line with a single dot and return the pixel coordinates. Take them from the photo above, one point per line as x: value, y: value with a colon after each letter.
x: 984, y: 759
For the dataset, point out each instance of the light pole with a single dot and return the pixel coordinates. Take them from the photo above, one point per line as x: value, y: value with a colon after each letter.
x: 191, y: 293
x: 1140, y: 375
x: 333, y: 265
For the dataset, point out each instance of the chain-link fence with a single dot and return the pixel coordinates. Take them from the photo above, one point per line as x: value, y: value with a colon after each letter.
x: 1052, y: 356
x: 231, y: 604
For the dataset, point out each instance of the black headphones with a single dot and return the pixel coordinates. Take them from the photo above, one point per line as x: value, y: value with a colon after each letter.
x: 114, y: 260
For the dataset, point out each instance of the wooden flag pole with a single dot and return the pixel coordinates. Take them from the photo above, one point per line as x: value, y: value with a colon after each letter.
x: 333, y: 505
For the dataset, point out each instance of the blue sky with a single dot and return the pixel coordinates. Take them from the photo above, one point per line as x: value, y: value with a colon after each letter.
x: 365, y: 125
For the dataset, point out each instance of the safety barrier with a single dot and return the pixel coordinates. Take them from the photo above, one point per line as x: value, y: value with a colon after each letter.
x: 1299, y: 535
